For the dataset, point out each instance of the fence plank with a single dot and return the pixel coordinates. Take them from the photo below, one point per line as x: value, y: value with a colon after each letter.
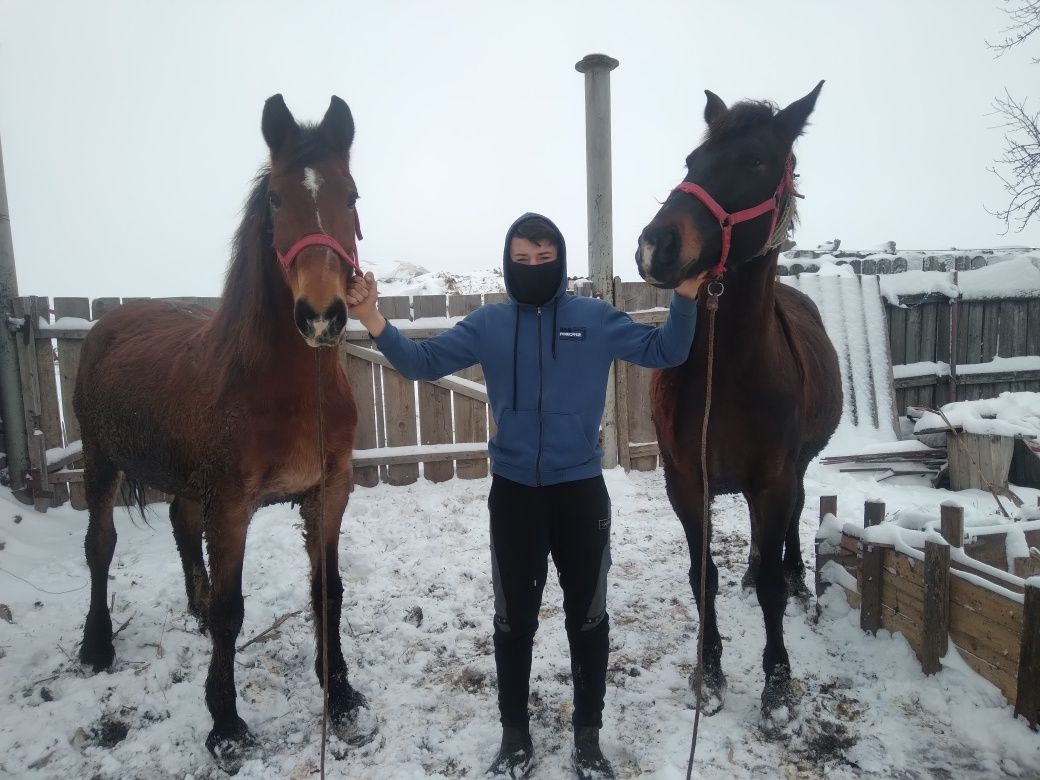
x: 68, y: 366
x: 359, y: 374
x: 50, y: 416
x: 101, y: 306
x: 399, y: 402
x: 470, y: 414
x: 435, y: 423
x: 634, y: 296
x: 990, y: 329
x: 973, y: 315
x: 1033, y: 328
x: 1011, y: 329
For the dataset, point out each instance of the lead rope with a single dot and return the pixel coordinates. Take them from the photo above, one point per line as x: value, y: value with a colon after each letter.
x: 324, y: 575
x: 715, y: 289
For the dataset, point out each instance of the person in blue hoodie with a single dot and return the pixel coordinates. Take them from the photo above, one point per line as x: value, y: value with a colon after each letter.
x: 545, y: 356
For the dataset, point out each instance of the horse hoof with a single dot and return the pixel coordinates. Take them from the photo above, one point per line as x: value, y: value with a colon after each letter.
x: 357, y: 725
x: 797, y: 590
x: 98, y: 655
x: 231, y: 746
x: 778, y: 698
x: 713, y: 695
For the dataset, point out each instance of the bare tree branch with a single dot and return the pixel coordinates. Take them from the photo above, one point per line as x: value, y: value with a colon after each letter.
x: 1018, y: 168
x: 1024, y: 18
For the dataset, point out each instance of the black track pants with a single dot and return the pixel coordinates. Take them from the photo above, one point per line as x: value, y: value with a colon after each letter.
x: 570, y: 521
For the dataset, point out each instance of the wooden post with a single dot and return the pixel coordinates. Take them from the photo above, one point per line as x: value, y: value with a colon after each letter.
x: 870, y: 588
x: 873, y: 513
x: 828, y: 506
x: 1027, y: 703
x: 399, y: 402
x: 621, y: 401
x: 936, y: 637
x: 951, y: 520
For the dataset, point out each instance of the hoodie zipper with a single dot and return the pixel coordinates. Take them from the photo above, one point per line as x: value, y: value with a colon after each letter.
x: 538, y: 460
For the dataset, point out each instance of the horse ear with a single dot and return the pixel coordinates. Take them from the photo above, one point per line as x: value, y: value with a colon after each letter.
x: 277, y: 124
x: 715, y: 107
x: 790, y: 122
x: 338, y: 126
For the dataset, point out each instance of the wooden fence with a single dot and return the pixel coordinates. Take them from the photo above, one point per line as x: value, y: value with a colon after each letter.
x: 439, y: 429
x: 938, y: 591
x: 943, y: 349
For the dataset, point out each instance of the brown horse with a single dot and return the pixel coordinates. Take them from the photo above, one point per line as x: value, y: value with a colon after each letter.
x: 776, y: 395
x: 221, y: 409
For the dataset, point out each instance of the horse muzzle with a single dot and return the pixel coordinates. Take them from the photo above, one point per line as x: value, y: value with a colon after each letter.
x: 321, y: 329
x: 658, y: 259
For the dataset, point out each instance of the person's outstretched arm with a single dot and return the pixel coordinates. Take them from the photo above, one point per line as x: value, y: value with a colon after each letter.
x: 446, y: 353
x: 652, y: 347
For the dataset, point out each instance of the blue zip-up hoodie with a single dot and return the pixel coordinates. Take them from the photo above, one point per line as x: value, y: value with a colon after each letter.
x: 546, y: 370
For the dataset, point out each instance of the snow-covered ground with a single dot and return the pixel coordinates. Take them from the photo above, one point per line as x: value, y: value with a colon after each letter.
x: 866, y: 709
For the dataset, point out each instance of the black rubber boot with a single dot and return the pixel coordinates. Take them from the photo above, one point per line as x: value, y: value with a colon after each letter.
x: 587, y: 759
x: 515, y: 757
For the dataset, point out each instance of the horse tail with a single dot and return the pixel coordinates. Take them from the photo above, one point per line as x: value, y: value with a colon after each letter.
x: 133, y: 493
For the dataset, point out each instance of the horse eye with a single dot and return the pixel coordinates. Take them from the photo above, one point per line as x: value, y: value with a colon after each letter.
x: 274, y: 199
x: 754, y: 162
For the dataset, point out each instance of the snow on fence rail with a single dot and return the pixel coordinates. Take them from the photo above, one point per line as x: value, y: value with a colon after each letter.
x: 936, y: 589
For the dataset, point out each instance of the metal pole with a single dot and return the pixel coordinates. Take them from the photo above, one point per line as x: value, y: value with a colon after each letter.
x: 17, y: 444
x: 596, y: 68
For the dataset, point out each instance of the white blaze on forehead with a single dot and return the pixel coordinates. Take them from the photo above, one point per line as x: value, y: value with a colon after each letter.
x: 312, y: 180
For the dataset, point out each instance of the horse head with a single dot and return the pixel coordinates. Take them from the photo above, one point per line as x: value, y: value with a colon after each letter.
x: 314, y: 223
x: 736, y: 201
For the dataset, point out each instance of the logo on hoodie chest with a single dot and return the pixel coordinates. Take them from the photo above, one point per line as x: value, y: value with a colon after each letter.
x: 571, y: 334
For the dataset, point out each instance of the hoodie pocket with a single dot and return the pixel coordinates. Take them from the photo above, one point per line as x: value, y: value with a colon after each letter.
x: 516, y: 441
x: 564, y: 443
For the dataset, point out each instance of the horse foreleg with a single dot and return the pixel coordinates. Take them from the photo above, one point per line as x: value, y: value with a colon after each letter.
x: 100, y: 478
x: 687, y: 501
x: 347, y: 707
x: 186, y: 519
x: 771, y: 509
x: 226, y: 542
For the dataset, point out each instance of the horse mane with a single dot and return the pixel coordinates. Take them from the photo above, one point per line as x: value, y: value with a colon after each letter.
x: 248, y: 320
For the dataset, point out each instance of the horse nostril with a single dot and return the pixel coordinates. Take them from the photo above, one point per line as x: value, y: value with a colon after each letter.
x: 304, y: 315
x: 666, y: 240
x: 336, y: 315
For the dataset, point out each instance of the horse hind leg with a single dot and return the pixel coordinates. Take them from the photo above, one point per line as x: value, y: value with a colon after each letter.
x: 794, y: 566
x: 186, y: 520
x: 100, y: 480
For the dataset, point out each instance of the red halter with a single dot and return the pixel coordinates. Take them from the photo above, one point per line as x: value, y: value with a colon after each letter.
x: 728, y: 220
x: 323, y: 239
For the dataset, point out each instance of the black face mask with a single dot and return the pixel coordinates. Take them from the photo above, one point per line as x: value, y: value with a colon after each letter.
x: 534, y: 284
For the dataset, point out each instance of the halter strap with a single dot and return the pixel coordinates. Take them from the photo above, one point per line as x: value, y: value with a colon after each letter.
x: 325, y: 240
x: 727, y: 220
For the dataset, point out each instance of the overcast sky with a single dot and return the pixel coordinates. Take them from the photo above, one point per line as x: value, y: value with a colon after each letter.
x: 131, y: 131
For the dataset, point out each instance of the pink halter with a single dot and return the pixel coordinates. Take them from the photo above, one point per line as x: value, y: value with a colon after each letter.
x: 323, y: 239
x: 728, y: 220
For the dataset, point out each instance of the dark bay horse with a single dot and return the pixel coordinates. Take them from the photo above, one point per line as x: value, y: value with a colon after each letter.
x: 220, y: 409
x: 776, y: 395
